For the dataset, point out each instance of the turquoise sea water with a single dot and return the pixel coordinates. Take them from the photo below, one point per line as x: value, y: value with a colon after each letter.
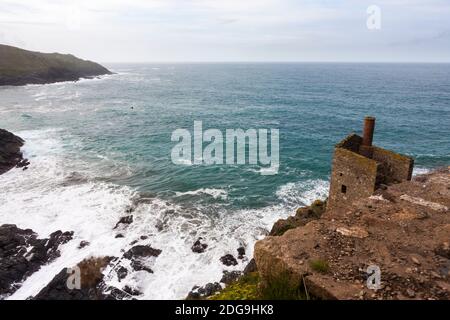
x: 113, y: 135
x: 313, y: 106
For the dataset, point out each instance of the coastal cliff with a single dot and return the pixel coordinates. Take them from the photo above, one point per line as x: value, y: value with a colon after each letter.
x: 21, y: 67
x: 402, y: 230
x: 319, y: 253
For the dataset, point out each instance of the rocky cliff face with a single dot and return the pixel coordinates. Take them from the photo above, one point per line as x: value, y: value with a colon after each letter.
x: 21, y: 67
x: 403, y: 230
x: 10, y: 155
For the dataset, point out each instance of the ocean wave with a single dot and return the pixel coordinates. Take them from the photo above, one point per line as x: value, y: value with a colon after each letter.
x: 303, y: 193
x: 419, y: 170
x: 41, y: 199
x: 215, y: 193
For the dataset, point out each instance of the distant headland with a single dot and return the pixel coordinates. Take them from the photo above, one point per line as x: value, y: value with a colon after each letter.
x: 21, y: 67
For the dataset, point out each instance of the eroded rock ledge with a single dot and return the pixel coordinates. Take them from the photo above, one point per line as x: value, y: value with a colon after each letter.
x: 404, y: 230
x: 22, y: 254
x: 10, y: 154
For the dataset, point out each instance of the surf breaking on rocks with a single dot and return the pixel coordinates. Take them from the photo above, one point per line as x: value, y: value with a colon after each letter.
x: 49, y: 196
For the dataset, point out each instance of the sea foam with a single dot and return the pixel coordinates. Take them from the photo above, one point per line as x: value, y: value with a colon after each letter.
x: 39, y: 199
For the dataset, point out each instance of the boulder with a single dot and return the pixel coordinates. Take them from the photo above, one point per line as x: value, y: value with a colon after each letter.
x: 83, y: 244
x: 228, y: 260
x: 10, y: 154
x: 198, y: 246
x: 230, y: 276
x: 142, y: 251
x: 124, y: 220
x: 241, y: 252
x: 64, y: 287
x: 208, y: 290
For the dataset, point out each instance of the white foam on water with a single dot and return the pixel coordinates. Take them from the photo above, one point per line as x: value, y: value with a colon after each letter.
x: 41, y: 199
x: 303, y: 192
x: 173, y: 229
x: 418, y: 171
x: 36, y: 199
x: 215, y: 193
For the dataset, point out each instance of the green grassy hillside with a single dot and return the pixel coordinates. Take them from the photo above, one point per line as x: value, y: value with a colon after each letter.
x: 20, y: 67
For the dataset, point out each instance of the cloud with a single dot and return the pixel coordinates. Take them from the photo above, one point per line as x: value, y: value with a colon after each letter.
x: 139, y: 30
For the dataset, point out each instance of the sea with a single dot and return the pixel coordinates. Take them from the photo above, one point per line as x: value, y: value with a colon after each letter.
x: 100, y: 149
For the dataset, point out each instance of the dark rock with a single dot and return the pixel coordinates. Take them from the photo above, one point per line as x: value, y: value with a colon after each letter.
x: 10, y: 155
x: 56, y: 239
x: 122, y: 273
x: 124, y: 220
x: 251, y: 267
x: 241, y: 252
x: 23, y: 163
x: 228, y: 260
x: 144, y: 237
x: 132, y: 291
x: 22, y: 254
x: 199, y: 247
x: 202, y: 292
x: 194, y: 293
x: 142, y: 251
x: 119, y: 235
x: 140, y: 266
x: 91, y: 286
x: 83, y: 244
x: 230, y: 276
x: 129, y: 209
x: 211, y: 288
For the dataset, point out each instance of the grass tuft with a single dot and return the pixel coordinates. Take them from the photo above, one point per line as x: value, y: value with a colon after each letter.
x: 320, y: 266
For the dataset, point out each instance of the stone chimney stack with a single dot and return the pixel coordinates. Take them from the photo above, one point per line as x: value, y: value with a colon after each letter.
x: 369, y: 127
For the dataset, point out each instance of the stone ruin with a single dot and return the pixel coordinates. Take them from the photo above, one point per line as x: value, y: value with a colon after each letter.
x: 359, y: 168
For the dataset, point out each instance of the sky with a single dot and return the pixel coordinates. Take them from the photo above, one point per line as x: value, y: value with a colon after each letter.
x: 231, y: 30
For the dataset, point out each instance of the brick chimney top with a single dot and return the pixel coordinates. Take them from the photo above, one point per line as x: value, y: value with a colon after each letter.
x: 369, y: 127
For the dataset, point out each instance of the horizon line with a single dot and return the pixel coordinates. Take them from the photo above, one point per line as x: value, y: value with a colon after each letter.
x: 279, y: 62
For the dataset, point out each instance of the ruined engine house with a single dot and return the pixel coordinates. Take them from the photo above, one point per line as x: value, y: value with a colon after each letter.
x: 359, y: 168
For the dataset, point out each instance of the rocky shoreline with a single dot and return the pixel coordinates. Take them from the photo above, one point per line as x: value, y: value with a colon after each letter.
x: 404, y: 229
x: 22, y: 253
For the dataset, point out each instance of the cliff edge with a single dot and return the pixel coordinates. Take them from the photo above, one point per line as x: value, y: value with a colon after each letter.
x: 21, y: 67
x: 397, y: 240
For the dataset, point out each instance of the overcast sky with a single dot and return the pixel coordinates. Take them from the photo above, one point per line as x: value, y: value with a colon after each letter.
x: 230, y: 30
